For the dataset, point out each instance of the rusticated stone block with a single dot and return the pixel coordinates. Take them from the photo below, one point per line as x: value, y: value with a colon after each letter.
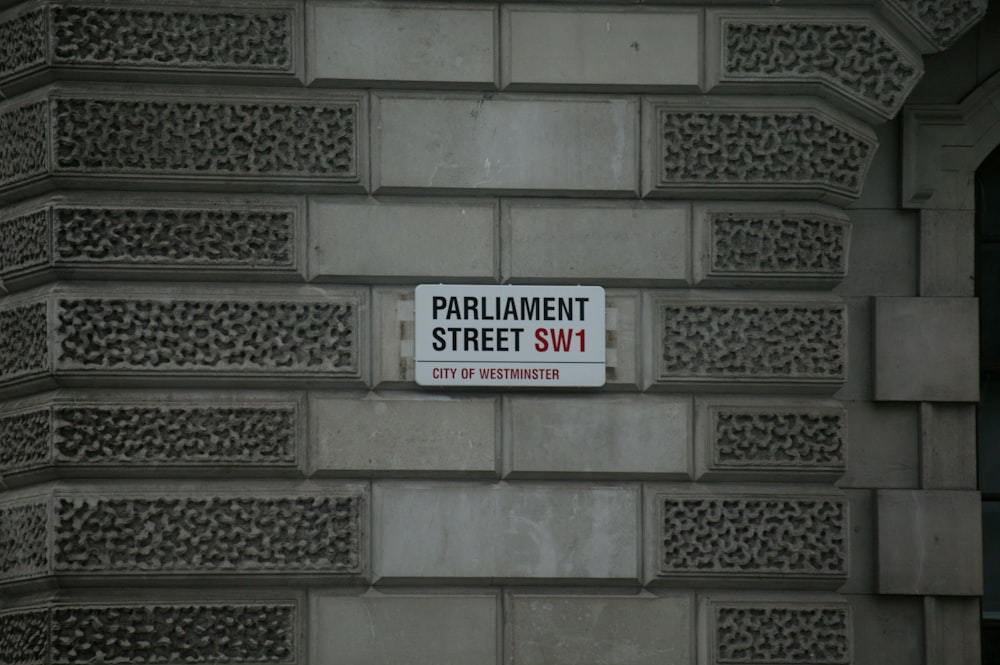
x: 74, y: 634
x: 133, y: 534
x: 855, y: 61
x: 745, y: 245
x: 249, y: 41
x: 807, y: 632
x: 742, y: 540
x: 107, y: 137
x: 195, y: 236
x: 939, y: 23
x: 791, y: 343
x: 185, y: 333
x: 753, y: 148
x: 73, y: 435
x: 795, y: 441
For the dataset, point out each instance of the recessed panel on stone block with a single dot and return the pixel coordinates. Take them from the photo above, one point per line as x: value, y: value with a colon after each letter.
x: 404, y: 435
x: 401, y: 44
x: 185, y: 138
x: 532, y: 533
x: 601, y: 242
x: 414, y: 629
x: 374, y: 240
x: 130, y: 434
x: 633, y: 436
x: 772, y: 245
x: 606, y: 629
x: 750, y: 539
x: 152, y: 237
x: 768, y: 439
x: 248, y: 41
x: 549, y: 47
x: 505, y: 143
x: 753, y: 148
x: 724, y: 341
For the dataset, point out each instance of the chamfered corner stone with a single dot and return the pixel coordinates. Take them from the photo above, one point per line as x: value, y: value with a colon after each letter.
x: 436, y: 532
x: 634, y: 436
x: 420, y: 629
x: 513, y: 144
x: 930, y: 542
x: 572, y: 629
x: 600, y: 242
x: 401, y: 44
x: 374, y: 240
x: 927, y: 349
x: 403, y: 435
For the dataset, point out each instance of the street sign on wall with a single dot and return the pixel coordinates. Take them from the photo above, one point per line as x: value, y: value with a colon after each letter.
x: 540, y: 336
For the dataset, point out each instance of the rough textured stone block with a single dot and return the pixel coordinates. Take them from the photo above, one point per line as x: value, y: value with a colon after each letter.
x: 939, y: 24
x: 252, y: 41
x: 930, y: 543
x: 749, y: 539
x: 734, y: 340
x: 449, y: 532
x: 604, y: 243
x: 884, y: 445
x: 265, y: 631
x: 392, y: 43
x: 372, y: 240
x: 753, y: 148
x: 795, y: 440
x: 776, y: 629
x: 602, y: 630
x: 927, y: 349
x: 77, y: 334
x: 505, y: 144
x: 88, y: 434
x: 638, y: 48
x: 152, y: 237
x: 62, y: 135
x: 947, y: 446
x: 413, y: 629
x: 859, y: 380
x: 88, y: 534
x: 415, y: 435
x: 593, y: 436
x: 746, y: 245
x: 875, y: 271
x: 853, y: 60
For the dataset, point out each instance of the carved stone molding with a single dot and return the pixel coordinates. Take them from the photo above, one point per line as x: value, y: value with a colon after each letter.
x: 755, y: 245
x: 794, y: 440
x: 807, y: 631
x: 754, y: 147
x: 172, y: 433
x: 848, y: 57
x: 86, y: 334
x: 51, y: 38
x: 154, y: 237
x: 725, y: 341
x: 249, y: 633
x: 934, y: 24
x: 195, y: 532
x: 105, y: 137
x: 750, y: 539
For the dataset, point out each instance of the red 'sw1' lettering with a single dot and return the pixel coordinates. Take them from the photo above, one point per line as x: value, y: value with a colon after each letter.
x: 561, y: 339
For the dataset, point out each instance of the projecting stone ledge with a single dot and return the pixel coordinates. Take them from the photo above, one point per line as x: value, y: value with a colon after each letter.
x: 65, y: 336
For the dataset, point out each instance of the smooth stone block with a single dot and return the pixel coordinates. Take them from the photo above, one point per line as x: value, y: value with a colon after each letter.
x: 453, y: 532
x: 376, y: 436
x: 930, y: 543
x: 372, y: 240
x: 607, y: 48
x: 952, y: 628
x: 947, y: 446
x: 872, y: 270
x: 605, y: 630
x: 418, y: 630
x: 883, y: 446
x: 603, y: 242
x: 355, y: 43
x: 594, y: 436
x: 505, y: 144
x: 927, y: 349
x: 888, y: 630
x: 947, y: 252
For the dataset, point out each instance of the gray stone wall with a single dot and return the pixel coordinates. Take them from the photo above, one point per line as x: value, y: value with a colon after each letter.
x: 212, y: 446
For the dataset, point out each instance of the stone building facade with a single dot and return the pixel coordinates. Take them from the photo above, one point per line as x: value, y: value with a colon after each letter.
x: 213, y: 216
